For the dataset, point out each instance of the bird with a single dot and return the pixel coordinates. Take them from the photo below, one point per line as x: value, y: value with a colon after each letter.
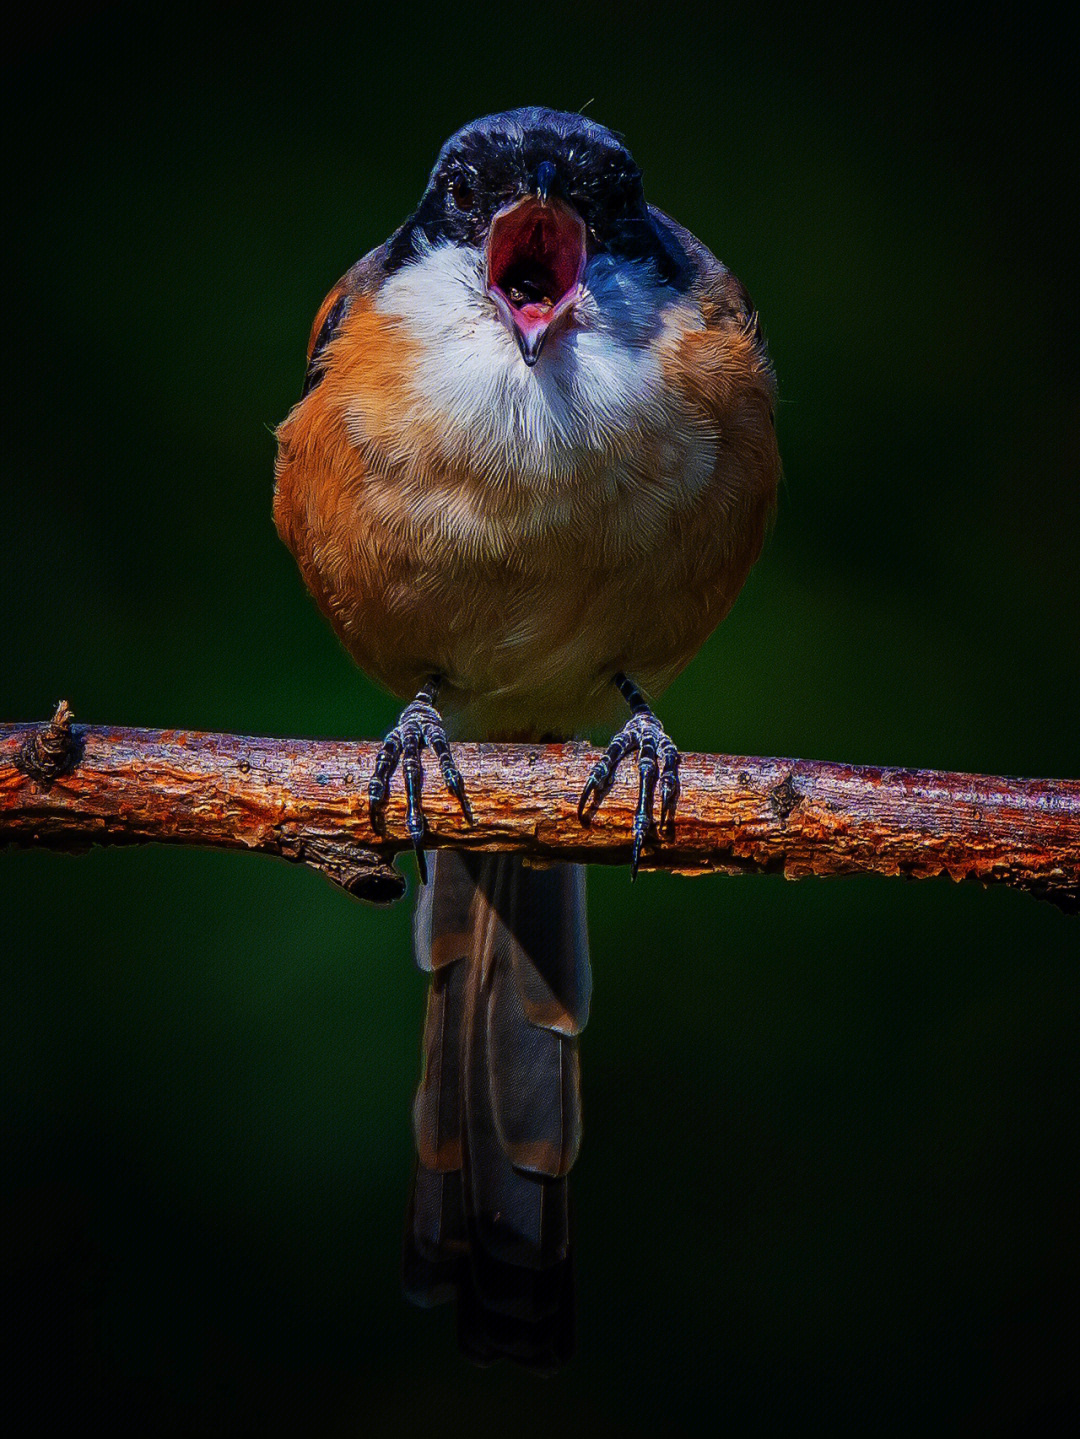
x: 533, y: 462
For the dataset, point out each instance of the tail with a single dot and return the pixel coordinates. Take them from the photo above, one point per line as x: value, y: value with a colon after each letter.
x: 498, y: 1111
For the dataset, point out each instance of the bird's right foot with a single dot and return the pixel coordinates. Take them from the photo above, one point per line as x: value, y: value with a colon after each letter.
x: 419, y: 725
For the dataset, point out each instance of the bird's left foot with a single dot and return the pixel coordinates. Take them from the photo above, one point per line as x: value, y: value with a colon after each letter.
x: 658, y: 758
x: 419, y: 725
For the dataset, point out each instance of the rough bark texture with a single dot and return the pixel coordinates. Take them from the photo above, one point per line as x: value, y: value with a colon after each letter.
x: 69, y: 786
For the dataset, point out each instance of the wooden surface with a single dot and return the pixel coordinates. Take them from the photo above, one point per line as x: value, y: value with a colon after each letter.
x: 68, y: 786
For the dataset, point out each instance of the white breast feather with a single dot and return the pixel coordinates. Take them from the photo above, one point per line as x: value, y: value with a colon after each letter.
x: 598, y: 391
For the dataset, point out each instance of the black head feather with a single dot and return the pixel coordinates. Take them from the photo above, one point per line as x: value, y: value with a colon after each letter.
x: 497, y: 160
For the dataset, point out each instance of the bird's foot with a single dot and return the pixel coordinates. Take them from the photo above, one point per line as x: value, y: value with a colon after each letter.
x: 657, y: 759
x: 420, y: 725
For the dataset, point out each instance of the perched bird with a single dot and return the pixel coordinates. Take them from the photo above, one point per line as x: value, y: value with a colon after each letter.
x: 531, y: 468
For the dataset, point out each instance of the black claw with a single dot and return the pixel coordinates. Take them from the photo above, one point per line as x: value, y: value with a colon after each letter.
x: 592, y: 785
x: 635, y: 855
x: 385, y: 763
x: 420, y: 724
x: 603, y: 771
x: 658, y: 760
x: 450, y: 772
x: 669, y: 789
x: 457, y: 789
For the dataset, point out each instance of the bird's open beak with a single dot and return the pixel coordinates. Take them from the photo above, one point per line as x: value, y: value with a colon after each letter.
x: 535, y: 261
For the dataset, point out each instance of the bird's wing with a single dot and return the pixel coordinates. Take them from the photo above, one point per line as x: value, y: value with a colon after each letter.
x: 360, y: 280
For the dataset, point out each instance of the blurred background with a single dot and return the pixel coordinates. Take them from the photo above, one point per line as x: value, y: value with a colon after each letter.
x: 828, y: 1181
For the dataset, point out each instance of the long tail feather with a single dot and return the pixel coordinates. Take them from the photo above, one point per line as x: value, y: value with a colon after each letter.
x: 498, y: 1109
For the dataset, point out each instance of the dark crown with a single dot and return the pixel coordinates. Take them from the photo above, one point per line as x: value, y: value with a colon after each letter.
x: 498, y: 159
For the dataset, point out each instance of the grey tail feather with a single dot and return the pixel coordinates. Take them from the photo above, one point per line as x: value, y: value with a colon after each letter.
x: 497, y: 1115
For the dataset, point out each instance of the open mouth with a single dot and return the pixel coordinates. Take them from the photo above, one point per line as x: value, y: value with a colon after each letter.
x: 536, y: 257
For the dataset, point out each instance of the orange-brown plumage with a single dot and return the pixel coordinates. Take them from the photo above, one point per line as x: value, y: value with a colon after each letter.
x: 364, y: 474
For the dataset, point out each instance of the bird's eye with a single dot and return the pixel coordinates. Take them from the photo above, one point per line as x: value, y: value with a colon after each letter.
x: 462, y: 191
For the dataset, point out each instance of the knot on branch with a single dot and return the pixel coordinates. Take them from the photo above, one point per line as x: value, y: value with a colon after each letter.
x: 52, y: 749
x: 784, y: 797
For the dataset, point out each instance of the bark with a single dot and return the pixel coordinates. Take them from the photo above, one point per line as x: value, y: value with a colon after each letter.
x: 68, y: 786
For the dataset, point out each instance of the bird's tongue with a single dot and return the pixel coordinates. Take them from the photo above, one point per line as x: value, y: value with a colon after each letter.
x: 535, y: 311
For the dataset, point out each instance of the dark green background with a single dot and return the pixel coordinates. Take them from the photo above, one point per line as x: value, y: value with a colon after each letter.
x: 828, y: 1182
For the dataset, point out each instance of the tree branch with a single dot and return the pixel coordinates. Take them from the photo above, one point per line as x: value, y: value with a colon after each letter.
x: 68, y: 786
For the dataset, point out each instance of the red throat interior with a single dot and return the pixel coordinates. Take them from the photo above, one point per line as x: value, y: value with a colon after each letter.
x: 536, y: 255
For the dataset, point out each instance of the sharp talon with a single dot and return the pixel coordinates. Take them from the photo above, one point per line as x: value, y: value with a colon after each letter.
x: 421, y: 862
x: 456, y: 786
x: 375, y: 804
x: 603, y: 771
x: 436, y: 740
x: 669, y: 799
x: 586, y: 795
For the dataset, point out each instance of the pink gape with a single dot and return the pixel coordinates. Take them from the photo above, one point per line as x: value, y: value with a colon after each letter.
x: 536, y: 258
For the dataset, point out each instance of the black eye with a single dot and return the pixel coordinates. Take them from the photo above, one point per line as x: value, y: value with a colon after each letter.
x: 462, y: 191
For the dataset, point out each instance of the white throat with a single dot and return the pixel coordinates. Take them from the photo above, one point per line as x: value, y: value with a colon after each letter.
x: 597, y: 387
